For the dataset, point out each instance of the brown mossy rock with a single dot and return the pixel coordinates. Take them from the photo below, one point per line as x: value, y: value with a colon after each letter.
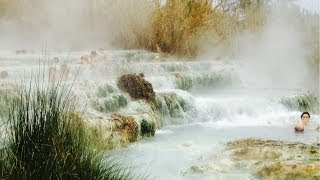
x: 289, y: 170
x: 266, y: 159
x: 273, y: 150
x: 277, y: 159
x: 126, y: 127
x: 136, y: 86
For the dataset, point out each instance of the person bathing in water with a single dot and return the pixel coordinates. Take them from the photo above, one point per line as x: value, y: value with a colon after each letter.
x: 64, y: 73
x: 88, y: 58
x: 305, y: 117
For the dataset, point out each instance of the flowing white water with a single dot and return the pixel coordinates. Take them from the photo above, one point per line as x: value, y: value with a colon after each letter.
x: 220, y: 119
x: 203, y: 105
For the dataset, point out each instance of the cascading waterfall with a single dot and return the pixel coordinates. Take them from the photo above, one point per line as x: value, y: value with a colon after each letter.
x: 198, y: 107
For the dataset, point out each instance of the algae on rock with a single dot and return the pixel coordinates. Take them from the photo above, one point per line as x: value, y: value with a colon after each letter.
x: 147, y: 129
x: 302, y: 102
x: 126, y: 127
x: 267, y: 159
x: 278, y: 159
x: 173, y: 107
x: 189, y: 82
x: 108, y: 99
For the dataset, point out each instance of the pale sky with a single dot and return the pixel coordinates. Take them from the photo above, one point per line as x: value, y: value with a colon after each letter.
x: 311, y: 5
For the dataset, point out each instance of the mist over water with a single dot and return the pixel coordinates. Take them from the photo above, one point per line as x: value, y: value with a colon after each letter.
x: 277, y: 55
x: 278, y: 58
x: 70, y: 25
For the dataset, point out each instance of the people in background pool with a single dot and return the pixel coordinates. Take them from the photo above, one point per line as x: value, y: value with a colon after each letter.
x: 64, y: 73
x: 88, y: 58
x: 105, y: 55
x: 52, y: 73
x: 304, y: 121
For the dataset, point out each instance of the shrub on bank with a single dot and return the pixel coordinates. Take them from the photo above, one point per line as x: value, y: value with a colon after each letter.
x: 47, y: 139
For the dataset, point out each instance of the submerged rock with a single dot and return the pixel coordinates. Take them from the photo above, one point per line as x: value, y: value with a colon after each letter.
x: 126, y: 127
x: 136, y: 86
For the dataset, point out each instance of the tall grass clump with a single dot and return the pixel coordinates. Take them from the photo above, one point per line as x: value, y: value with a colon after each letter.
x: 47, y: 139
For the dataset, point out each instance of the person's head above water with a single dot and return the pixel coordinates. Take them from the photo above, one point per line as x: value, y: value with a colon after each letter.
x: 305, y: 116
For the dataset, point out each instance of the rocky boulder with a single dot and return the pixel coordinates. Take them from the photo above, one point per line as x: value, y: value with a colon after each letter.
x: 277, y: 159
x: 265, y: 159
x: 126, y: 127
x: 136, y: 86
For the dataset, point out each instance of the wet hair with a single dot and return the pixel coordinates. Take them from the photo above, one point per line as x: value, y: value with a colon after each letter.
x: 3, y: 74
x: 305, y: 113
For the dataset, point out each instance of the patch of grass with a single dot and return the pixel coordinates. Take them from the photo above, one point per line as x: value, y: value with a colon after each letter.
x: 47, y: 139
